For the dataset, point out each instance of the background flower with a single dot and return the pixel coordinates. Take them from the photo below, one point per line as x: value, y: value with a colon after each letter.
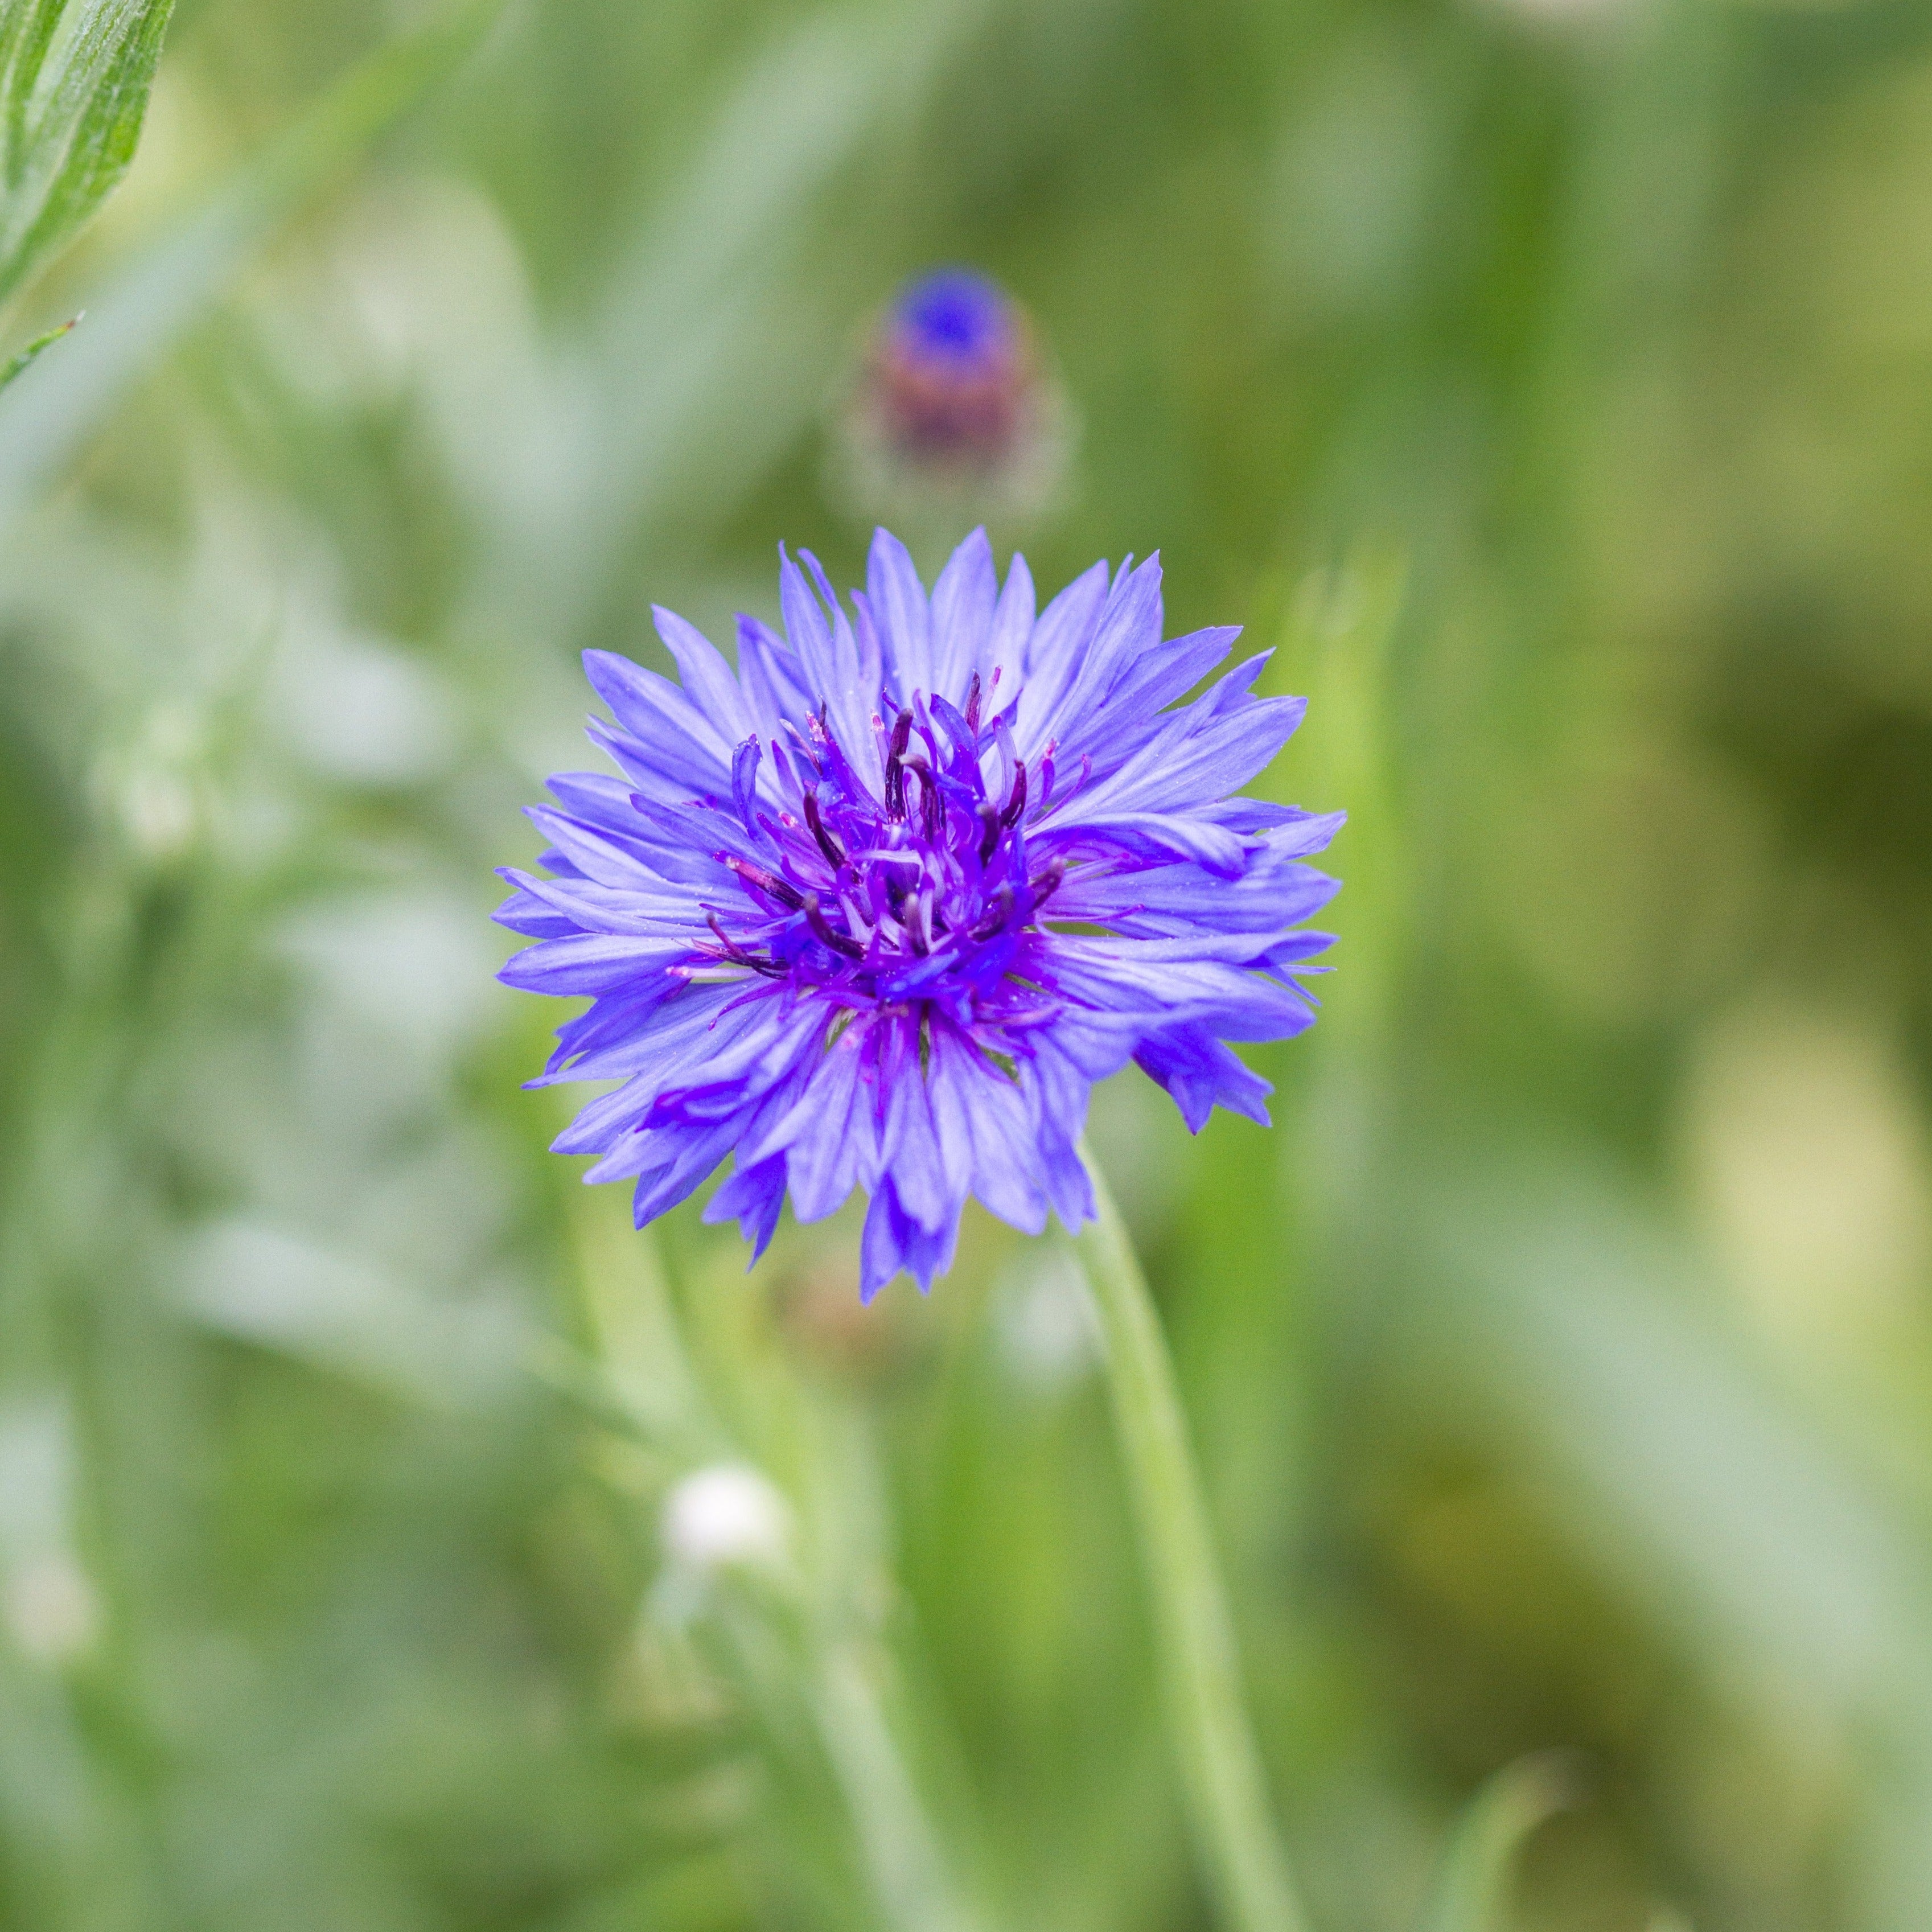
x: 952, y: 411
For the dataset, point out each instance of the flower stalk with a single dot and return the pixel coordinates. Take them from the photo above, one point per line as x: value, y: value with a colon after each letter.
x: 779, y: 1624
x: 1220, y: 1766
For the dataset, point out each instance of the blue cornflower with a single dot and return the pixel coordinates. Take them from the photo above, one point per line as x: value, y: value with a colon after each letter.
x: 952, y: 368
x: 952, y: 404
x: 877, y: 911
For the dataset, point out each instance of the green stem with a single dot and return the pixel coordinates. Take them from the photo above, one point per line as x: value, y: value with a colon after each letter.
x: 787, y: 1641
x: 901, y: 1852
x: 1221, y: 1771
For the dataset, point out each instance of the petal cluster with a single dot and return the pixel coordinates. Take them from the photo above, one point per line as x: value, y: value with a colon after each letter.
x: 877, y: 909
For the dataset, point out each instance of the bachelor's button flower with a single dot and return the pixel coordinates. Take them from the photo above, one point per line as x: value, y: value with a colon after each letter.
x: 951, y: 401
x: 877, y: 911
x: 953, y: 360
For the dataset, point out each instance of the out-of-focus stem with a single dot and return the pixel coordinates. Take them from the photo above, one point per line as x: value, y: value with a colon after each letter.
x: 801, y: 1658
x: 1221, y: 1771
x: 902, y: 1854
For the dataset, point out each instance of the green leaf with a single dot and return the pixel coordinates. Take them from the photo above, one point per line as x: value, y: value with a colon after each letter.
x: 1473, y: 1892
x: 18, y: 362
x: 162, y: 293
x: 73, y: 90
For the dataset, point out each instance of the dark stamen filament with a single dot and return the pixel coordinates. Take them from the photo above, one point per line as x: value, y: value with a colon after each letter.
x: 835, y: 852
x: 1016, y: 804
x: 1002, y: 910
x: 827, y: 932
x: 736, y: 954
x: 896, y: 798
x: 769, y: 884
x: 989, y: 831
x: 931, y: 806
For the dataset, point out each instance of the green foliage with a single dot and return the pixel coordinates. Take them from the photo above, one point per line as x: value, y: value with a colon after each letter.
x: 1550, y: 389
x: 136, y: 318
x: 74, y: 76
x: 21, y: 358
x: 1474, y: 1892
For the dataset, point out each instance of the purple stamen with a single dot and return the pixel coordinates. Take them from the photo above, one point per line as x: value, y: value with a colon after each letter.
x: 1002, y: 910
x: 737, y: 955
x: 769, y: 884
x: 1016, y: 804
x: 990, y: 822
x: 823, y: 928
x: 895, y: 797
x: 835, y: 854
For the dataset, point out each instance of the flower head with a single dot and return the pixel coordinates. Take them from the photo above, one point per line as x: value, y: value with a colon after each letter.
x: 951, y: 400
x: 953, y: 358
x: 878, y: 910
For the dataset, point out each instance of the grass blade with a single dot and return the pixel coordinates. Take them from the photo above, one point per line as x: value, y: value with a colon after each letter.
x: 1473, y: 1895
x: 21, y: 358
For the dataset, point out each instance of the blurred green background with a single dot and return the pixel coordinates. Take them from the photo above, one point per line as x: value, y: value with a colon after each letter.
x: 1551, y: 381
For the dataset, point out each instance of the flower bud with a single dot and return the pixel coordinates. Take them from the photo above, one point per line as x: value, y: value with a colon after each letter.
x: 724, y: 1516
x: 953, y: 405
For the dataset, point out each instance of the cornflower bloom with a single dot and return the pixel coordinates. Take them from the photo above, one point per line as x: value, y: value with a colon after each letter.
x: 952, y: 361
x: 951, y: 401
x: 877, y: 911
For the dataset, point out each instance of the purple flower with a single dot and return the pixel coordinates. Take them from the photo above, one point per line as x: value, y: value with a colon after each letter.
x: 878, y: 910
x: 953, y: 366
x: 951, y: 401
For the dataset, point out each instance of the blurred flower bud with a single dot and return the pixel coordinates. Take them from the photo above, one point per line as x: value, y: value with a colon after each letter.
x: 952, y: 407
x: 155, y: 788
x: 51, y: 1608
x: 724, y: 1516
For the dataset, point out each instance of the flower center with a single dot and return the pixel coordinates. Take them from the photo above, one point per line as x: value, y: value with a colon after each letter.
x: 920, y: 890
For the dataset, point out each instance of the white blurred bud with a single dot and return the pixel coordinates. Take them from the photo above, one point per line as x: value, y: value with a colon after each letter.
x: 156, y: 784
x: 724, y: 1516
x: 51, y: 1608
x: 160, y: 809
